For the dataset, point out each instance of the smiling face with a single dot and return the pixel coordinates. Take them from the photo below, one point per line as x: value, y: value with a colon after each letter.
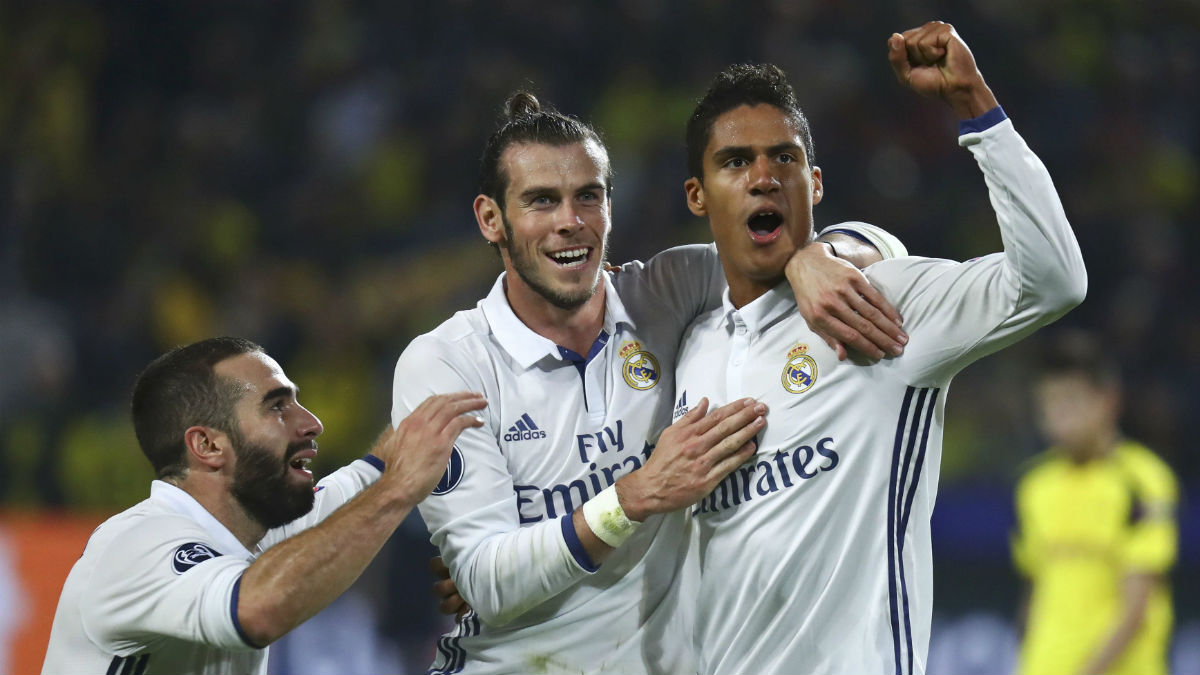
x: 758, y: 191
x: 553, y: 228
x: 273, y: 441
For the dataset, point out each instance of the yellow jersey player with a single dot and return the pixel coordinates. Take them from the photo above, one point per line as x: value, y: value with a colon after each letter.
x: 1096, y: 528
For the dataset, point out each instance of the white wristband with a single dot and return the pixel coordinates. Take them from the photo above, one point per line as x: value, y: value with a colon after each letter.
x: 607, y: 519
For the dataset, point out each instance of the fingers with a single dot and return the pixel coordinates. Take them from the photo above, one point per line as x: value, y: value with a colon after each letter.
x: 453, y: 604
x: 874, y: 327
x: 698, y: 411
x: 898, y: 57
x: 733, y: 461
x: 733, y: 432
x: 438, y: 568
x: 446, y: 412
x: 876, y: 302
x: 729, y: 410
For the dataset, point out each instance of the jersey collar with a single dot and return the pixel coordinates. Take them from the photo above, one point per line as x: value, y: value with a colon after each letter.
x: 184, y: 504
x: 522, y: 343
x: 759, y: 314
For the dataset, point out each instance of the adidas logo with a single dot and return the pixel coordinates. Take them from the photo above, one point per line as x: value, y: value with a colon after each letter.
x: 524, y: 430
x: 681, y: 407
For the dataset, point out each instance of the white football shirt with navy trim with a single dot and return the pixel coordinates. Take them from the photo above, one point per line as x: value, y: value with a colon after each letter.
x: 559, y: 428
x: 156, y: 588
x: 815, y: 555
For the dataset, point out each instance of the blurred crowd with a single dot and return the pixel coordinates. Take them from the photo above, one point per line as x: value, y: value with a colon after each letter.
x: 301, y: 174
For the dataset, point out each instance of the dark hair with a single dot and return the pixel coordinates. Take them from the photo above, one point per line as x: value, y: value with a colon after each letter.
x: 178, y: 390
x: 738, y: 85
x: 1075, y: 352
x: 526, y: 121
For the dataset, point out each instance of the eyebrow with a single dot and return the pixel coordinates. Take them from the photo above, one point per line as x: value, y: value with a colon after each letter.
x: 532, y: 192
x: 736, y: 150
x: 278, y: 392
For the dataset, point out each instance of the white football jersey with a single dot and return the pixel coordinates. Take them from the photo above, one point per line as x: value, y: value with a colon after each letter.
x: 815, y: 555
x: 156, y: 588
x: 559, y: 428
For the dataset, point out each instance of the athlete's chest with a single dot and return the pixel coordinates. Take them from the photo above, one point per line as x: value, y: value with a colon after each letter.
x: 568, y: 430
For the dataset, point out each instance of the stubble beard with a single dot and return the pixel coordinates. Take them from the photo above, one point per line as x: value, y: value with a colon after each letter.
x: 527, y: 270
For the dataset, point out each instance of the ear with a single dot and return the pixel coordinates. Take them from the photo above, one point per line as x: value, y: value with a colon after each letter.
x: 693, y: 189
x: 818, y: 187
x: 207, y: 447
x: 490, y: 217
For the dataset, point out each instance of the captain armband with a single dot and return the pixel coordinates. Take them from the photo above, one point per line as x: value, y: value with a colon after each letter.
x: 603, y: 513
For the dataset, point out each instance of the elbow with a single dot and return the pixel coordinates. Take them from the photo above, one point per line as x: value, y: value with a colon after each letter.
x: 1074, y: 290
x: 491, y: 610
x: 495, y: 616
x: 1060, y: 293
x: 257, y: 627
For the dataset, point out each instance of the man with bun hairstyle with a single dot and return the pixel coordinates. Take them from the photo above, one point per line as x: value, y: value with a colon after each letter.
x: 562, y: 519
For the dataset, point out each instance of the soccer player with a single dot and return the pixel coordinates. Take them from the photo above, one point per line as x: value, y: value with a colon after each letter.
x: 214, y: 566
x: 815, y: 555
x: 557, y: 523
x: 1096, y: 533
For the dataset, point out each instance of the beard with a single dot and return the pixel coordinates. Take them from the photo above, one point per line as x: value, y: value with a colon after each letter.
x: 262, y: 487
x: 526, y: 268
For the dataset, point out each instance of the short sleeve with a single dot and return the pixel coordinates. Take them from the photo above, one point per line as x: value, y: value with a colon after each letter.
x: 1153, y: 541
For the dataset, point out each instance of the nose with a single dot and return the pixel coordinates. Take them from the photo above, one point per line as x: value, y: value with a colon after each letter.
x: 762, y: 178
x: 569, y: 218
x: 310, y: 424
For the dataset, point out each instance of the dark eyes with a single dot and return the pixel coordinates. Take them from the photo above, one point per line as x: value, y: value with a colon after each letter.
x: 742, y: 162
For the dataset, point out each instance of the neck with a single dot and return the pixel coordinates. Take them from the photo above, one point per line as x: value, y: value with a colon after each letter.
x: 217, y: 500
x: 1096, y: 446
x: 575, y: 328
x: 743, y: 291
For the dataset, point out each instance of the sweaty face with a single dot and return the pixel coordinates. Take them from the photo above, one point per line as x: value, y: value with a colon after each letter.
x: 274, y: 441
x: 556, y: 220
x: 758, y: 192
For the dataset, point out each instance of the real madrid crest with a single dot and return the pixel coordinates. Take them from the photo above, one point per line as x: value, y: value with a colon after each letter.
x: 640, y: 367
x: 800, y: 372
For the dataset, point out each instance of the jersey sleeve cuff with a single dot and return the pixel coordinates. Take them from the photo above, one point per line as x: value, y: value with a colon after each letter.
x: 374, y: 461
x: 575, y: 546
x: 984, y: 122
x: 233, y: 613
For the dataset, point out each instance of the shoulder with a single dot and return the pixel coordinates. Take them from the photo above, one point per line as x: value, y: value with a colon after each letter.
x: 460, y: 339
x: 661, y: 273
x: 1151, y: 475
x: 145, y: 543
x: 1041, y: 468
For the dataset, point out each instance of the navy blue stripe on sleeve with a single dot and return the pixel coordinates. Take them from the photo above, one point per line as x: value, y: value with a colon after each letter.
x: 852, y: 233
x: 237, y: 625
x: 984, y: 122
x: 576, y: 546
x: 374, y: 461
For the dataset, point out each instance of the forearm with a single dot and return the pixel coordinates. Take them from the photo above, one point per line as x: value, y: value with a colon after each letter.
x: 509, y: 573
x: 851, y: 249
x: 1042, y: 256
x: 299, y: 577
x: 1136, y: 591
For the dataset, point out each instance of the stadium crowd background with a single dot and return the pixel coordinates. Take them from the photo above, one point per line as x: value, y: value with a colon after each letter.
x: 301, y: 174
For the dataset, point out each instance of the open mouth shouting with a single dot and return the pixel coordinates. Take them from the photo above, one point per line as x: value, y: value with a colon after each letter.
x: 571, y: 258
x: 301, y: 460
x: 764, y: 226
